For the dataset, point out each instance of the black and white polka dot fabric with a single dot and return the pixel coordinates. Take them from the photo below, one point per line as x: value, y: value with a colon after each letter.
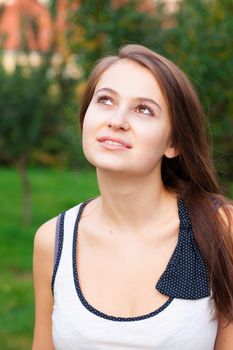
x: 186, y: 275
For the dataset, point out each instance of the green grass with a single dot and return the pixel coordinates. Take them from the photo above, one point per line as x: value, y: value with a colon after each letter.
x: 52, y: 192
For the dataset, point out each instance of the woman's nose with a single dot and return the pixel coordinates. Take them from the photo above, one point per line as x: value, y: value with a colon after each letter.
x: 118, y: 120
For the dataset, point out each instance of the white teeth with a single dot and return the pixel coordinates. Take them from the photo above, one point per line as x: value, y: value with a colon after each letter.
x: 113, y: 142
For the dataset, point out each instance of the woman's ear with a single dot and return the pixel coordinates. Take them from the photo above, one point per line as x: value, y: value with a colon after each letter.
x: 171, y: 151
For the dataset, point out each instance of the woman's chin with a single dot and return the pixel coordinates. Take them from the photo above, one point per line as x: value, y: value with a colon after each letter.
x: 111, y: 168
x: 108, y: 164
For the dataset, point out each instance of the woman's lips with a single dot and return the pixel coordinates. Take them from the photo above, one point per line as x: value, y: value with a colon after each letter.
x: 113, y: 142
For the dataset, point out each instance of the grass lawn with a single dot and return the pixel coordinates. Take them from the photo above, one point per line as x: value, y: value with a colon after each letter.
x: 52, y: 192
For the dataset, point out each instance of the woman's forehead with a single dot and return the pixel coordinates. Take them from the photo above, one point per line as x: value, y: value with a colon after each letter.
x: 131, y: 79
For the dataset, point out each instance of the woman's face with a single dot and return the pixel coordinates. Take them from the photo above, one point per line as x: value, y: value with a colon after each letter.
x: 126, y: 126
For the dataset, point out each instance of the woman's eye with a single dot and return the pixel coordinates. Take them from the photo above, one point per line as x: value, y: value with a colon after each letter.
x: 106, y: 100
x: 146, y: 110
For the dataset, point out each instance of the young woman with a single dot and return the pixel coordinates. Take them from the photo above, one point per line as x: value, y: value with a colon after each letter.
x: 148, y: 264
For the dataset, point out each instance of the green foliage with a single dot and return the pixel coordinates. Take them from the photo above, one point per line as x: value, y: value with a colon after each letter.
x: 36, y: 100
x: 22, y: 103
x: 200, y: 42
x: 32, y: 111
x: 98, y: 28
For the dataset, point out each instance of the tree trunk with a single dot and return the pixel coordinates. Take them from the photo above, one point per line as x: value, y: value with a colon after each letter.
x: 21, y: 166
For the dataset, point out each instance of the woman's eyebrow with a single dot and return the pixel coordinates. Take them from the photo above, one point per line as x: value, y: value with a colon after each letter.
x: 108, y: 90
x: 145, y: 99
x: 140, y: 99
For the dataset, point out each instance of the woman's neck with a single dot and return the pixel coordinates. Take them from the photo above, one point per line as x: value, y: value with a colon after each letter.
x: 132, y: 203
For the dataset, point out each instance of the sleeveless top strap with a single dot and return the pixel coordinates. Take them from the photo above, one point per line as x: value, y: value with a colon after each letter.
x: 57, y: 238
x: 58, y: 245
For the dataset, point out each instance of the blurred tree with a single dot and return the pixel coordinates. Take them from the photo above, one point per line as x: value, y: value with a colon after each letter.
x: 97, y: 28
x: 34, y: 104
x: 31, y: 112
x: 200, y: 41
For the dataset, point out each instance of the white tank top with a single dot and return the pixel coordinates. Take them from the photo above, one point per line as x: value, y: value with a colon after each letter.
x: 184, y: 322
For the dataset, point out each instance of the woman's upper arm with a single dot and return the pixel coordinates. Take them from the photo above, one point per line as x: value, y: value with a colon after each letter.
x: 224, y: 340
x: 43, y: 262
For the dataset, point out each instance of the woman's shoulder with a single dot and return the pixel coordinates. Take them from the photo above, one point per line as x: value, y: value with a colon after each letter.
x: 45, y: 237
x: 226, y: 214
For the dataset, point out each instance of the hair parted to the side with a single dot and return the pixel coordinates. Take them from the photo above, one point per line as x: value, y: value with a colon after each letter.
x: 191, y: 174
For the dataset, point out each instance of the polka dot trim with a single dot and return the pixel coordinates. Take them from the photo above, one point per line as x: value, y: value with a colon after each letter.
x: 186, y: 275
x: 81, y: 296
x: 60, y: 232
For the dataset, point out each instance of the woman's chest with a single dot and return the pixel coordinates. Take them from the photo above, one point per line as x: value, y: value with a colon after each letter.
x: 183, y: 324
x: 119, y: 278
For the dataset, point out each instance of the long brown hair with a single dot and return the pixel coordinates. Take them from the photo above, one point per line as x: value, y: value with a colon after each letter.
x: 191, y: 174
